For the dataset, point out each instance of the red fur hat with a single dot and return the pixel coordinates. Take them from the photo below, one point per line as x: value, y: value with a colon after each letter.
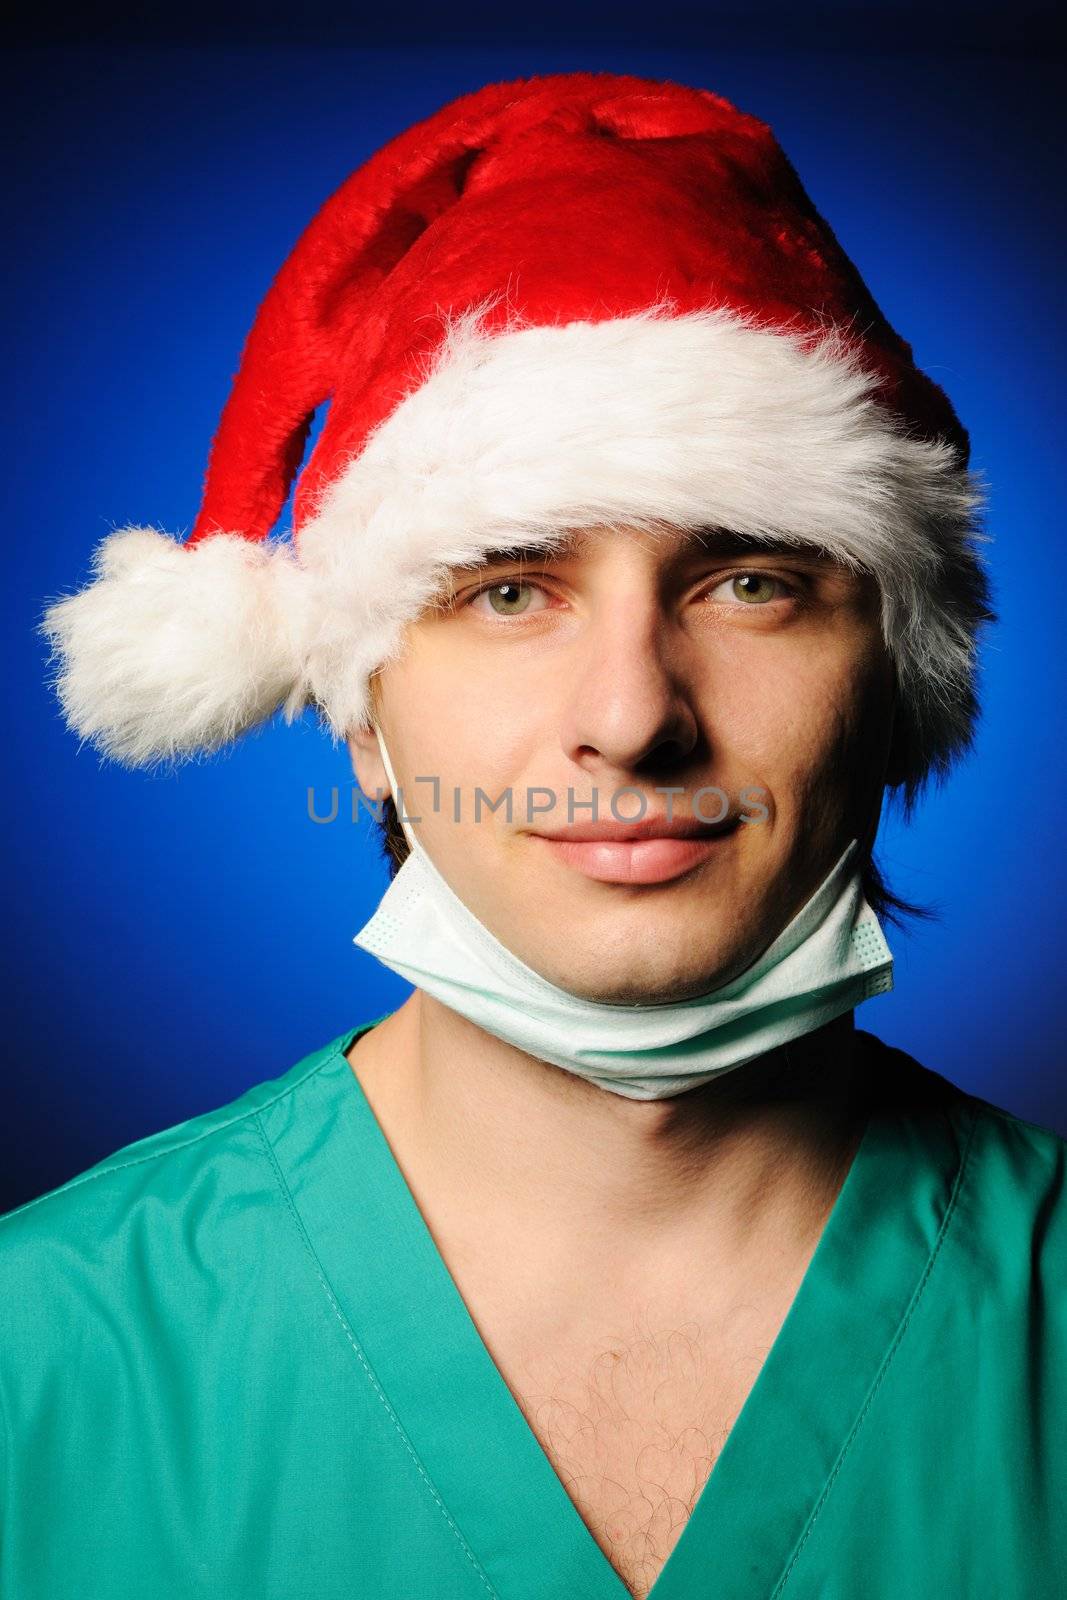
x: 570, y: 300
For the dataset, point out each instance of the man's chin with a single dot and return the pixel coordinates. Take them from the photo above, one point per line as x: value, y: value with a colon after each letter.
x: 626, y: 987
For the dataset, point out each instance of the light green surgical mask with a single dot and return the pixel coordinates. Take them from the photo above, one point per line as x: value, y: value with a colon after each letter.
x: 828, y: 959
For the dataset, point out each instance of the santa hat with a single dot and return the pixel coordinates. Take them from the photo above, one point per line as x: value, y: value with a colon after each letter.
x: 562, y: 301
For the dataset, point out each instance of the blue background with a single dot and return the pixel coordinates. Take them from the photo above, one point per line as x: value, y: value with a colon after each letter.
x: 173, y: 940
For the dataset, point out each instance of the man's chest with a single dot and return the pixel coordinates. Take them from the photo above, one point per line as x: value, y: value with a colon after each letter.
x: 633, y: 1422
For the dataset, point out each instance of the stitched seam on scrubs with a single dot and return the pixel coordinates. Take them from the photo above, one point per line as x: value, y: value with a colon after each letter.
x: 950, y: 1212
x: 360, y: 1356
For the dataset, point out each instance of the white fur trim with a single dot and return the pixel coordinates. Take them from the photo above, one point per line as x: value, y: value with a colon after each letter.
x: 649, y: 420
x: 175, y: 649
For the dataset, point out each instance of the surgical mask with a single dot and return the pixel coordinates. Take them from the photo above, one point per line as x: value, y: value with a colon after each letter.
x: 828, y: 959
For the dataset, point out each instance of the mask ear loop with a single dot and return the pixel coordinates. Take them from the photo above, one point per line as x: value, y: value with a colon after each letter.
x: 395, y: 790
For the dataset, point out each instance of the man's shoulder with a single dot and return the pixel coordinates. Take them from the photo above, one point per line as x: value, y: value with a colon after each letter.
x: 1013, y: 1172
x: 169, y: 1181
x: 1020, y: 1188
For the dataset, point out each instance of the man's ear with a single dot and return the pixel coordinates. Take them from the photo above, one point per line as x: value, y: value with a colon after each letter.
x: 367, y: 763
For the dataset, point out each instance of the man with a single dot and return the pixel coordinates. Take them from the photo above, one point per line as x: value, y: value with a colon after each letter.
x: 616, y: 1259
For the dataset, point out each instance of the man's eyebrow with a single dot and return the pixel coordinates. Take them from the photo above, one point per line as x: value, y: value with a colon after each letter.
x: 514, y: 554
x: 710, y: 540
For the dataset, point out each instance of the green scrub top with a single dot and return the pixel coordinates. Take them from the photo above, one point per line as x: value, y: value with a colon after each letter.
x: 235, y: 1365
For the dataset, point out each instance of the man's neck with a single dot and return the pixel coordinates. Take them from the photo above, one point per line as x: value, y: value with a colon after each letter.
x: 525, y: 1161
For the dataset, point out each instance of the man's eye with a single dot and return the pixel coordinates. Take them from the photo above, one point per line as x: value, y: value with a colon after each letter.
x: 754, y: 588
x: 516, y: 597
x: 508, y: 597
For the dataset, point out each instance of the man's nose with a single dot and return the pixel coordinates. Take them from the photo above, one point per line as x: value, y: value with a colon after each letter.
x: 631, y: 691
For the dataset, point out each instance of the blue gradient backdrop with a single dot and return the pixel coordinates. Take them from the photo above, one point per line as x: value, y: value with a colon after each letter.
x: 172, y: 941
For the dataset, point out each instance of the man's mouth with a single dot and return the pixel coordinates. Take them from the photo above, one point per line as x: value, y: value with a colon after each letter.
x: 653, y: 850
x: 647, y: 828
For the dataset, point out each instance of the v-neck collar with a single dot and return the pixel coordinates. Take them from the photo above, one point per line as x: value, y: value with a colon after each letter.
x: 470, y: 1437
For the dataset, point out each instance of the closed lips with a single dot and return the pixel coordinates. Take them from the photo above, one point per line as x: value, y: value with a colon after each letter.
x: 647, y: 828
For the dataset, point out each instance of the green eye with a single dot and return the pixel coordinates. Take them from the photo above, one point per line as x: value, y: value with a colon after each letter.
x: 754, y: 586
x: 509, y: 599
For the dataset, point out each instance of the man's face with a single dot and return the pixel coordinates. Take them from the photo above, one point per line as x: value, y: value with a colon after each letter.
x: 639, y: 661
